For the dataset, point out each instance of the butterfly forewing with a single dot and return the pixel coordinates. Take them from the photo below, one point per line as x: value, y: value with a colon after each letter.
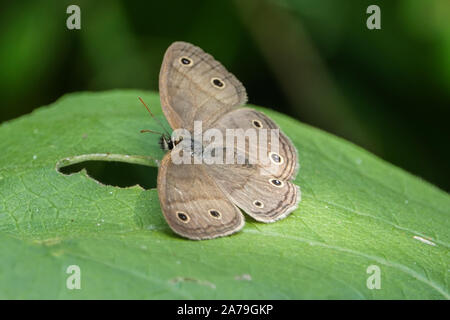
x: 194, y: 86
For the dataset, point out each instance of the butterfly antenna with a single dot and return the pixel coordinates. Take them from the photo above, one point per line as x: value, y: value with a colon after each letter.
x: 153, y: 116
x: 151, y: 131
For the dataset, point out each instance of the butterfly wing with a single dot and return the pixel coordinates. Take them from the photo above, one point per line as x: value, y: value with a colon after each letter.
x: 260, y: 195
x: 280, y: 162
x: 261, y: 189
x: 192, y: 203
x: 195, y: 86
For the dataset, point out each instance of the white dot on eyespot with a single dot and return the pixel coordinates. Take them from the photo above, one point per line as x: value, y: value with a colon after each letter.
x: 183, y: 217
x: 257, y: 124
x: 276, y: 158
x: 258, y: 203
x: 186, y: 62
x: 276, y: 183
x: 215, y: 213
x: 218, y: 83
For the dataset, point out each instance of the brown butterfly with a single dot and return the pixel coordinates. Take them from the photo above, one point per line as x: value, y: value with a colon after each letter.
x: 203, y: 201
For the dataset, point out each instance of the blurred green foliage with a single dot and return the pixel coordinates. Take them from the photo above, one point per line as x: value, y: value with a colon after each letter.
x: 387, y: 90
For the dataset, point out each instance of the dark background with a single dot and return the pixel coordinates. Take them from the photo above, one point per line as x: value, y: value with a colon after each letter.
x: 386, y: 90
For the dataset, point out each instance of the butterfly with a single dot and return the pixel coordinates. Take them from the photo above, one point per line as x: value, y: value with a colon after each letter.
x: 201, y: 200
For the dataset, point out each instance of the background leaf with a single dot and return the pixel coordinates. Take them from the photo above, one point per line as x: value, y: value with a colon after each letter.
x: 357, y: 211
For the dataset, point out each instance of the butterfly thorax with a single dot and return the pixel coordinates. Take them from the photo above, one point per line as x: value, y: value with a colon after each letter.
x: 167, y: 143
x: 182, y: 145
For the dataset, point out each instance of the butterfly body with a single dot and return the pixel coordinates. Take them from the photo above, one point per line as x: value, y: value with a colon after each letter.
x: 201, y: 197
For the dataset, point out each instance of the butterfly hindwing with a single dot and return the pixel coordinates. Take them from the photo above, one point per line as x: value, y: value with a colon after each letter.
x: 278, y: 160
x: 192, y: 203
x: 261, y: 195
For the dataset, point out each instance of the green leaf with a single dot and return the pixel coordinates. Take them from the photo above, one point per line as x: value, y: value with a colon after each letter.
x: 356, y: 211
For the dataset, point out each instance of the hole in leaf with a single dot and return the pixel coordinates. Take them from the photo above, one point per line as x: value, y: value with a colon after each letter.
x: 118, y: 174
